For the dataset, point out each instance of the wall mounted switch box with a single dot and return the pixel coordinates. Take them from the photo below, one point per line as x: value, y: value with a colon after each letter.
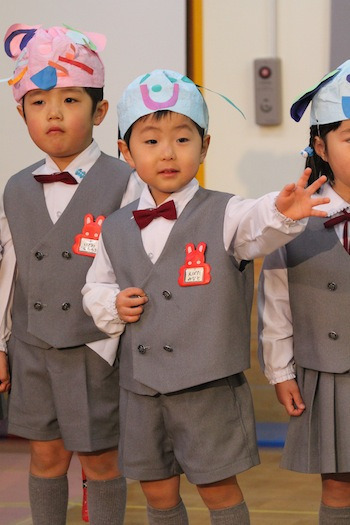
x: 267, y: 90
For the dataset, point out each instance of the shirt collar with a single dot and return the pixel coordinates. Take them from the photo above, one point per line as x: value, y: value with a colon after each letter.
x: 77, y: 168
x: 180, y: 198
x: 336, y: 204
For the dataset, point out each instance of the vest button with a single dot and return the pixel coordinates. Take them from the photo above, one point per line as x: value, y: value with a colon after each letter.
x: 167, y: 294
x: 39, y: 255
x: 332, y: 287
x: 38, y: 306
x: 66, y: 255
x: 65, y: 306
x: 142, y: 349
x: 333, y: 335
x: 168, y: 348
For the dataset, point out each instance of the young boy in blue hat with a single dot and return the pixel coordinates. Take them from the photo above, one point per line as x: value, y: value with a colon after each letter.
x: 64, y: 382
x: 305, y: 334
x: 184, y: 294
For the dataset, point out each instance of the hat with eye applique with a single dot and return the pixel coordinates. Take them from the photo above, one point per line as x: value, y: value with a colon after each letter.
x: 330, y: 98
x: 53, y: 57
x: 161, y: 90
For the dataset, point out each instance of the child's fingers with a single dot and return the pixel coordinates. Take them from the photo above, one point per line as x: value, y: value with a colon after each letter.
x: 304, y: 177
x: 317, y: 184
x: 130, y: 314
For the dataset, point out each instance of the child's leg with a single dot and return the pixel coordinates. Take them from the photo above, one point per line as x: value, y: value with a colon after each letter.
x: 106, y: 487
x: 225, y: 501
x: 164, y: 504
x: 48, y: 485
x: 335, y: 505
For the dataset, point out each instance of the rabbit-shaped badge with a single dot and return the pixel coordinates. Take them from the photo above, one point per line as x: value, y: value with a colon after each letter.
x: 195, y: 271
x: 86, y: 243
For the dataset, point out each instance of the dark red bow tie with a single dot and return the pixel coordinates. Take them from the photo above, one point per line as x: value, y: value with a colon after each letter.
x: 343, y: 217
x: 144, y: 217
x: 64, y: 176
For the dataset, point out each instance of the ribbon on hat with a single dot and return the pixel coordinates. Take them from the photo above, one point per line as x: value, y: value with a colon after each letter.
x: 224, y: 97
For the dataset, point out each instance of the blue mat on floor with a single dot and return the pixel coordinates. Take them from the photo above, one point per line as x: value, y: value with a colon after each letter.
x: 271, y: 434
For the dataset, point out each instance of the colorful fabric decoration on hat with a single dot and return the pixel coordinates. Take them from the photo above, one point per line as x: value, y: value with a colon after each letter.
x: 53, y: 57
x: 163, y: 90
x: 330, y: 98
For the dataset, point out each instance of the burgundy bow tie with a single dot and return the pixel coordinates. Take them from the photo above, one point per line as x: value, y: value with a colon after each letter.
x: 64, y: 176
x: 343, y: 217
x: 144, y: 217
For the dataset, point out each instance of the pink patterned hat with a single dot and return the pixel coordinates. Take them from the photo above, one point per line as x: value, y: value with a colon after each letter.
x: 53, y: 57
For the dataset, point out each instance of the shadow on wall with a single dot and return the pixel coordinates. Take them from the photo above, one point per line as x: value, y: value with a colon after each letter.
x: 260, y: 172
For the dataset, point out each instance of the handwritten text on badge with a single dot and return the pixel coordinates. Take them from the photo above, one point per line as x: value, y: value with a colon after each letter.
x: 86, y: 242
x: 195, y: 271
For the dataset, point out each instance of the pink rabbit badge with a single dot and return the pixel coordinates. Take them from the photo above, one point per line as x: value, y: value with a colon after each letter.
x: 86, y: 243
x: 195, y: 271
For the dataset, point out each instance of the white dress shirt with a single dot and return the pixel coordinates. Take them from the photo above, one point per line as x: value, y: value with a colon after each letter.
x: 275, y: 319
x: 252, y: 228
x: 57, y: 197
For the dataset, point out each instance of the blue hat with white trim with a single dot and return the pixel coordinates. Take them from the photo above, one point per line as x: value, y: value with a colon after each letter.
x: 161, y: 90
x: 330, y: 98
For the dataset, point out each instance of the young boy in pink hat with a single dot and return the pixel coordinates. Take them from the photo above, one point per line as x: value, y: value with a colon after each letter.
x: 181, y: 285
x: 64, y: 378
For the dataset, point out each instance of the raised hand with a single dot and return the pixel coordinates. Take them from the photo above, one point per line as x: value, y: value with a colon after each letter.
x: 297, y: 201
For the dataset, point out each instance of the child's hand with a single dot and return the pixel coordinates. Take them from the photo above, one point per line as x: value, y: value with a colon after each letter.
x: 4, y: 373
x: 129, y: 303
x: 288, y: 394
x: 296, y: 201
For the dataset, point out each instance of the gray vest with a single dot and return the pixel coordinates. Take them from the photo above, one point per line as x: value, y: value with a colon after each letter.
x: 319, y: 289
x: 187, y: 335
x: 47, y: 309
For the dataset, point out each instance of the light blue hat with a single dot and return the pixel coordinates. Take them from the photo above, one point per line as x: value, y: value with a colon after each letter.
x: 161, y: 90
x: 330, y: 98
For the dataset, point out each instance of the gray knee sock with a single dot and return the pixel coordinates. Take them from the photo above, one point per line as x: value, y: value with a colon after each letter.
x: 48, y: 500
x: 106, y: 501
x: 174, y: 516
x: 333, y: 515
x: 237, y: 515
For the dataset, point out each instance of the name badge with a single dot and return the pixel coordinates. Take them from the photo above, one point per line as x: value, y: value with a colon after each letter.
x: 86, y: 242
x: 195, y: 271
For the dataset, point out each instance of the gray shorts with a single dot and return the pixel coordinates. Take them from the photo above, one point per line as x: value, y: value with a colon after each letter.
x: 207, y: 432
x: 72, y: 394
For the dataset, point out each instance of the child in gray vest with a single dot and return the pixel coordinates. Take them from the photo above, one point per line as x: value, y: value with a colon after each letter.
x: 305, y: 334
x: 64, y: 383
x: 184, y: 294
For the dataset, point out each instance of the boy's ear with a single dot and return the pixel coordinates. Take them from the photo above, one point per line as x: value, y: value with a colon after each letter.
x: 205, y: 146
x: 123, y: 148
x: 21, y: 111
x: 100, y: 112
x: 320, y: 148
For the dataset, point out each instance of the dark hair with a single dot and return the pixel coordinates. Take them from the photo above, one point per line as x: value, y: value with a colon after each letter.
x: 158, y: 115
x: 96, y: 95
x: 315, y: 162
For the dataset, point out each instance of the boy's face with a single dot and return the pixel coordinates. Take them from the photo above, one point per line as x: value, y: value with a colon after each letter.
x: 60, y: 121
x: 166, y: 153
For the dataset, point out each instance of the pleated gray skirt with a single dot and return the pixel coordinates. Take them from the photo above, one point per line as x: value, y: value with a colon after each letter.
x: 318, y: 441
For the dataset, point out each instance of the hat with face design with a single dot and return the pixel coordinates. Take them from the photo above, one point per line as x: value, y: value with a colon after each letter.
x: 53, y: 57
x: 161, y: 90
x: 330, y: 98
